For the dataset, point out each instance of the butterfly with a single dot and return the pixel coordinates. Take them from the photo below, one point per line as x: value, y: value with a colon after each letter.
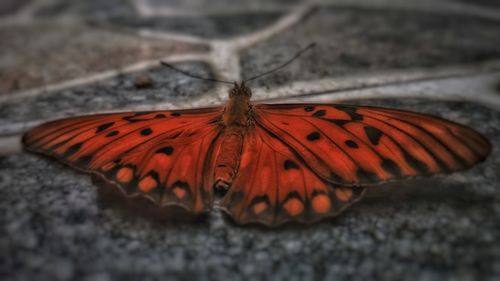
x: 273, y: 163
x: 276, y: 163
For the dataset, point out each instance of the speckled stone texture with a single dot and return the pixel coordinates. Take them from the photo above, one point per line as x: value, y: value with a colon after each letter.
x: 211, y: 26
x: 109, y: 94
x: 56, y: 225
x: 356, y: 40
x: 86, y: 50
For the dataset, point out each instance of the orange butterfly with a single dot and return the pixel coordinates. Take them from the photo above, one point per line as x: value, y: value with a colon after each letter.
x: 277, y: 163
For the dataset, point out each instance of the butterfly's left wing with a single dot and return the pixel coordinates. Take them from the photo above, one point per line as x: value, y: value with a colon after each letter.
x: 353, y: 145
x: 162, y: 156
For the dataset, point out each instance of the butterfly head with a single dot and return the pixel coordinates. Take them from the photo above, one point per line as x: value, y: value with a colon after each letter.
x: 240, y: 90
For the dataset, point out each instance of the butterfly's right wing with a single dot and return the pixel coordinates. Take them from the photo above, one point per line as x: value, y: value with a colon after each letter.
x: 364, y: 146
x: 163, y: 156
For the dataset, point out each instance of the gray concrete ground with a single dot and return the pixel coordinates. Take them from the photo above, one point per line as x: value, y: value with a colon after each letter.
x: 63, y: 58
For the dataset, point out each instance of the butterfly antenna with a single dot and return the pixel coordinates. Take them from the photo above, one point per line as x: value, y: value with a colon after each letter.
x: 284, y: 64
x: 193, y: 75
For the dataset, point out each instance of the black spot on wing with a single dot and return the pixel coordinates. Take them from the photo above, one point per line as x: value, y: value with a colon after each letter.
x: 313, y: 136
x: 289, y: 164
x: 154, y: 174
x: 104, y: 127
x: 112, y: 134
x: 309, y: 108
x: 146, y: 132
x: 373, y: 134
x: 351, y: 144
x: 319, y: 113
x: 293, y: 194
x: 416, y: 164
x: 132, y: 119
x: 73, y: 149
x: 175, y: 114
x: 391, y: 167
x: 166, y: 150
x: 160, y: 116
x: 351, y: 111
x: 339, y: 122
x: 317, y: 192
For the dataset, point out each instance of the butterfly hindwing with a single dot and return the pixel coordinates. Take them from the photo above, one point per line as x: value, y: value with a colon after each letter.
x: 274, y: 186
x: 162, y: 156
x: 361, y: 145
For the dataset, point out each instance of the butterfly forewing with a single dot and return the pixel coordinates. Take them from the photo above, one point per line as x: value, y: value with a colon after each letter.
x: 163, y: 156
x: 360, y: 145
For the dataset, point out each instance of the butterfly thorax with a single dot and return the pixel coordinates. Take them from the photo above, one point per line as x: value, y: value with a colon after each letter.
x: 237, y: 112
x: 237, y: 119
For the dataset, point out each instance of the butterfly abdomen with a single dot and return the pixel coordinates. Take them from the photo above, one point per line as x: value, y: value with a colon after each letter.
x: 228, y: 158
x: 237, y: 120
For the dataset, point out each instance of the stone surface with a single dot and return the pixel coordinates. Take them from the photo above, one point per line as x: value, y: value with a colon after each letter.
x: 210, y: 26
x: 69, y: 51
x: 55, y: 225
x: 110, y: 94
x: 486, y: 3
x: 11, y: 6
x: 89, y: 8
x: 353, y: 40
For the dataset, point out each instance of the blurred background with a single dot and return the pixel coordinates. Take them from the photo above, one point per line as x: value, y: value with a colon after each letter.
x: 64, y: 58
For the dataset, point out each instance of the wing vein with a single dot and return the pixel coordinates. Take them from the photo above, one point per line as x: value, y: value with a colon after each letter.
x: 437, y: 160
x: 432, y: 136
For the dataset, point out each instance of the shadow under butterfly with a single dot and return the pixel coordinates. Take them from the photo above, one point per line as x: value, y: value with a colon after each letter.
x: 270, y: 163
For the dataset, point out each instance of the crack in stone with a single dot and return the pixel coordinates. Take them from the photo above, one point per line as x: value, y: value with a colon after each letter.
x: 223, y: 57
x: 88, y: 79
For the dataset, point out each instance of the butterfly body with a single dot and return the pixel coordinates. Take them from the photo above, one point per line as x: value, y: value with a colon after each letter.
x: 228, y: 158
x: 276, y: 163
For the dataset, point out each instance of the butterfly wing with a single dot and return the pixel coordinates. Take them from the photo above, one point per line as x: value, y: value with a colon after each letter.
x: 273, y: 185
x: 359, y: 145
x: 162, y: 156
